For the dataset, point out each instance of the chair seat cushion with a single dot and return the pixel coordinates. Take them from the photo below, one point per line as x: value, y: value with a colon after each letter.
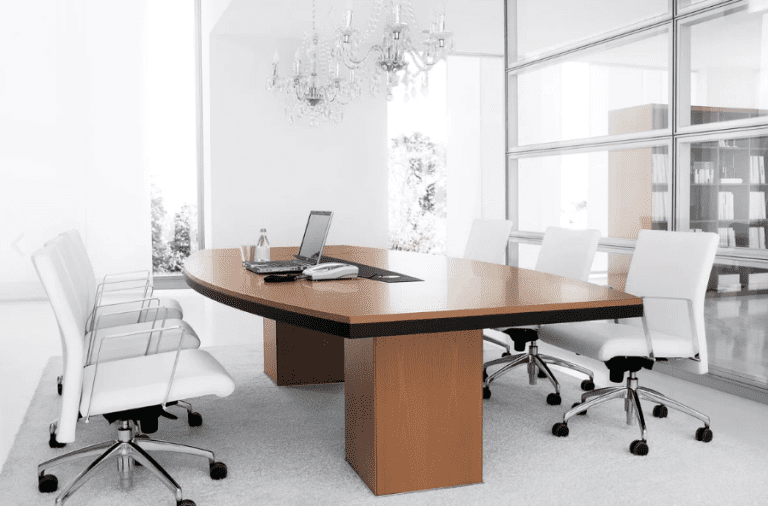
x: 149, y: 340
x: 106, y: 319
x: 604, y: 341
x: 143, y: 381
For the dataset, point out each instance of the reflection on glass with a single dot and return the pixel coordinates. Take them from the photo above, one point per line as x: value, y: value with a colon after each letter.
x: 616, y: 90
x: 728, y: 190
x: 736, y: 319
x: 728, y: 75
x: 617, y: 192
x: 543, y: 26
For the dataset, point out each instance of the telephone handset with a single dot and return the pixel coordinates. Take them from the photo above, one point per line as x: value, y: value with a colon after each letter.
x: 331, y: 271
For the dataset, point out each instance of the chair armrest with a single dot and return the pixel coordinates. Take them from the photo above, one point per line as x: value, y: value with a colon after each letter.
x: 149, y: 340
x: 101, y: 288
x: 144, y: 301
x: 131, y: 275
x: 691, y: 317
x: 157, y: 309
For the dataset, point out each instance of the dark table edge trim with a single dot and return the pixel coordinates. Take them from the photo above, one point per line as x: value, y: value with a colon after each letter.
x: 361, y: 330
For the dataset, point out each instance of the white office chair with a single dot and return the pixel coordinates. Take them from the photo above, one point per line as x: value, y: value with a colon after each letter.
x: 178, y: 332
x: 564, y: 252
x: 125, y: 390
x: 103, y: 297
x: 670, y: 271
x: 487, y: 242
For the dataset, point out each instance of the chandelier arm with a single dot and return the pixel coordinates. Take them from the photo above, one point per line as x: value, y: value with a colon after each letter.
x: 421, y: 63
x: 353, y: 64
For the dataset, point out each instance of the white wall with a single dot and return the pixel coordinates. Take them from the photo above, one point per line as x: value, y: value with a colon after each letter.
x: 71, y: 153
x: 268, y: 173
x: 475, y: 146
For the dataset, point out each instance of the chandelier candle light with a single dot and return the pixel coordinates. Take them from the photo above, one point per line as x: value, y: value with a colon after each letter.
x: 316, y: 89
x: 390, y: 59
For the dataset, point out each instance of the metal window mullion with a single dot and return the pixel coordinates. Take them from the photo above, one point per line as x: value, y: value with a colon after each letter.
x: 598, y: 40
x: 612, y: 143
x: 199, y: 145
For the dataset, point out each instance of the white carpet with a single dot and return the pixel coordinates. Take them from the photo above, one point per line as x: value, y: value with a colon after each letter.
x: 286, y: 446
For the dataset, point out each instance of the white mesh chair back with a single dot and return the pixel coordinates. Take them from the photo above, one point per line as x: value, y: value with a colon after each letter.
x: 568, y: 252
x: 673, y: 264
x: 66, y: 307
x: 488, y: 240
x: 85, y: 267
x: 73, y: 268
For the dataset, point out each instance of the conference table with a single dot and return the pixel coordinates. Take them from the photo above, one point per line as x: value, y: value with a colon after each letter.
x: 409, y: 353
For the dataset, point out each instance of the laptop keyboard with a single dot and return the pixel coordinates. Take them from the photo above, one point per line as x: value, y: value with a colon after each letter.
x: 285, y: 263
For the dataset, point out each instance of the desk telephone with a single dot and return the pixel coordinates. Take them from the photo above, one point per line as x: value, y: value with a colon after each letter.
x: 331, y: 271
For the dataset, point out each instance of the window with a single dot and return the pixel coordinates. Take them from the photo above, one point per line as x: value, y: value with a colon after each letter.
x: 170, y: 133
x: 590, y: 138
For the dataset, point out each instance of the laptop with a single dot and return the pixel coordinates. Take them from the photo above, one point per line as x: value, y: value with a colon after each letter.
x: 311, y: 249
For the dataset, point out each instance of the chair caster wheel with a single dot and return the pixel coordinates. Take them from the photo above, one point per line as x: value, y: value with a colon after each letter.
x: 704, y: 434
x: 576, y: 404
x: 541, y: 374
x: 554, y: 399
x: 485, y: 375
x: 59, y: 384
x: 186, y: 502
x: 588, y: 385
x: 660, y: 411
x: 486, y: 392
x: 194, y: 419
x: 47, y: 483
x: 638, y: 447
x: 55, y: 444
x: 560, y: 430
x: 506, y: 354
x: 218, y: 470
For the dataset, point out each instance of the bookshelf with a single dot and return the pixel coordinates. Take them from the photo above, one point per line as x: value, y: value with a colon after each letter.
x: 728, y: 191
x: 639, y: 183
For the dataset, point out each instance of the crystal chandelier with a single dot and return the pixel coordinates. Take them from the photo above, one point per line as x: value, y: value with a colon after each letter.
x: 389, y: 60
x: 316, y: 89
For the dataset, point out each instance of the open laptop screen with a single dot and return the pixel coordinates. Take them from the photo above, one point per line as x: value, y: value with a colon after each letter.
x: 314, y: 235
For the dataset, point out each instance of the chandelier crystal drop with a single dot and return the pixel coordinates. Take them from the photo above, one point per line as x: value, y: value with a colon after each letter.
x: 395, y: 60
x: 317, y: 89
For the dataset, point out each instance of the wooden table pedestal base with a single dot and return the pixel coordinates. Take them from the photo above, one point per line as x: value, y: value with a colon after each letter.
x: 299, y: 356
x: 414, y: 410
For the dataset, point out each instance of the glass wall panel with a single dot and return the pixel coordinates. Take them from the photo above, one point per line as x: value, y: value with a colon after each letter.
x: 736, y: 319
x: 723, y: 73
x: 614, y: 89
x: 726, y: 189
x: 618, y: 192
x: 543, y: 26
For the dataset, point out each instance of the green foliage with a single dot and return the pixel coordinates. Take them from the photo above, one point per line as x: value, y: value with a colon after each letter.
x: 160, y: 253
x: 169, y: 257
x: 181, y: 246
x: 417, y: 194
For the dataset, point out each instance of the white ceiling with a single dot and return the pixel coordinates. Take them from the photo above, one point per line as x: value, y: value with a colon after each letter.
x: 478, y: 25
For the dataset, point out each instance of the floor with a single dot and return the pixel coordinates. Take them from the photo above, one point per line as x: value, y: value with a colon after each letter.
x: 29, y: 337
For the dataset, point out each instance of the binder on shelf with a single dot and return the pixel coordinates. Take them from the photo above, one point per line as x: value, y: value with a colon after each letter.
x: 659, y: 168
x: 757, y: 169
x: 727, y: 237
x: 756, y: 205
x: 728, y: 283
x: 725, y: 206
x: 758, y: 281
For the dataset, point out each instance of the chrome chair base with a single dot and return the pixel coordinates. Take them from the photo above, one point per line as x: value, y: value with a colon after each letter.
x: 127, y: 449
x: 632, y: 393
x: 536, y: 362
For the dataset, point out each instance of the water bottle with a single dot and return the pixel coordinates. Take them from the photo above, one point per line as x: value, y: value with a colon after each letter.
x: 262, y: 247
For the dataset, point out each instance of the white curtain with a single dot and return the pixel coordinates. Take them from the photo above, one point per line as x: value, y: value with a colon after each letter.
x: 72, y: 99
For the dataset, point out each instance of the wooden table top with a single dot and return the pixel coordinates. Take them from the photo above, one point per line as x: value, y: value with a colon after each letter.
x: 456, y: 294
